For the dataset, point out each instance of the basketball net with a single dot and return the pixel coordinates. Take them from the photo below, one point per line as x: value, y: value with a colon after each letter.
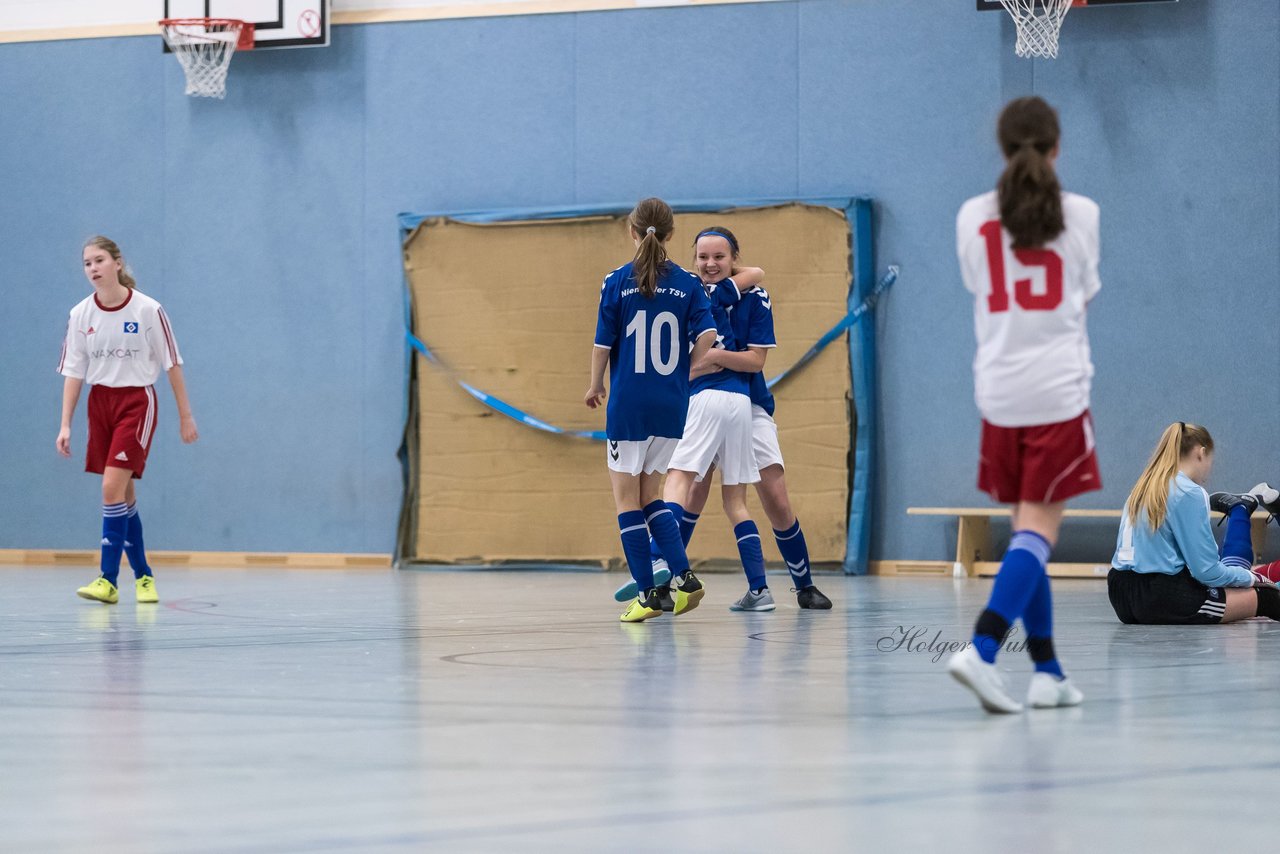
x: 1038, y: 22
x: 204, y: 47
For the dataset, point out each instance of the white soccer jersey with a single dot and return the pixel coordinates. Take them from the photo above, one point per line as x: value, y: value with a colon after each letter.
x: 128, y: 345
x: 1033, y: 364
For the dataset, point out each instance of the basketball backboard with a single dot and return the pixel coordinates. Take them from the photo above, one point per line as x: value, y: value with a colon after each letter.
x: 276, y: 23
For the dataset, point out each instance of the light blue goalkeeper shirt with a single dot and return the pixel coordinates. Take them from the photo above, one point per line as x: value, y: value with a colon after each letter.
x: 1184, y: 539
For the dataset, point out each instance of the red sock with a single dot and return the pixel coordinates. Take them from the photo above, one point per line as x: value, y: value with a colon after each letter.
x: 1270, y: 570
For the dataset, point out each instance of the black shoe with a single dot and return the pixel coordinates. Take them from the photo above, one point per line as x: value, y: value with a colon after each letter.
x: 689, y: 592
x: 811, y: 598
x: 1225, y: 502
x: 644, y: 607
x: 1268, y: 498
x: 664, y: 598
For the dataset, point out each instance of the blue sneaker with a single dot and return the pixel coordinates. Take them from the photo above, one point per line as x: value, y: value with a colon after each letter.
x: 629, y: 591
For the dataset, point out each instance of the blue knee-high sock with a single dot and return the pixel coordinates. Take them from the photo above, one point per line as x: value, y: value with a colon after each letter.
x: 635, y: 545
x: 687, y: 522
x: 655, y: 553
x: 795, y: 552
x: 1237, y: 545
x: 666, y: 533
x: 1038, y: 620
x: 133, y: 546
x: 115, y: 522
x: 1019, y: 575
x: 752, y: 554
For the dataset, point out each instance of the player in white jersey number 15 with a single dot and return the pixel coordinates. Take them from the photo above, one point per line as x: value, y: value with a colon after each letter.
x: 1029, y: 256
x: 118, y: 341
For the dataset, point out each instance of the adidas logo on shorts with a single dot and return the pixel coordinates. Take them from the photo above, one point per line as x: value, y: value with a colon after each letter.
x: 122, y: 456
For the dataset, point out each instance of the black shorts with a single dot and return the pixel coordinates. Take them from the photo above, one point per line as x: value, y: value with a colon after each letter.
x: 1155, y: 598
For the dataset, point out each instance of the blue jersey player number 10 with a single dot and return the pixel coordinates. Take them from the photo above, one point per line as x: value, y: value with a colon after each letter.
x: 664, y: 365
x: 651, y: 311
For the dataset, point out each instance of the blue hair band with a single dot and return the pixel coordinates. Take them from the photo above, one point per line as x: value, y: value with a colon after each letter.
x: 712, y: 231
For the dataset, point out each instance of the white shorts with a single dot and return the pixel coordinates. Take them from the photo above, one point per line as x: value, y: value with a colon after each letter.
x: 764, y: 438
x: 651, y: 455
x: 718, y: 430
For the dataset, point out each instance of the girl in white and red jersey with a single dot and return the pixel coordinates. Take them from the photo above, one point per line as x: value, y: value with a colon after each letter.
x: 1029, y: 255
x: 119, y: 340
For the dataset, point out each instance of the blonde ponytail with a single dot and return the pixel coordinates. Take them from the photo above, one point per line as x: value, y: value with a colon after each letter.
x: 1150, y: 495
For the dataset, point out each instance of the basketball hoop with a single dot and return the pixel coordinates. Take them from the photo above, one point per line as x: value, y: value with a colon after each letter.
x: 204, y: 47
x: 1038, y: 22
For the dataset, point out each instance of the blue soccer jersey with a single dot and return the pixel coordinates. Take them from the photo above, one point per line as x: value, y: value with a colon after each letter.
x: 752, y: 322
x: 648, y: 351
x: 723, y: 298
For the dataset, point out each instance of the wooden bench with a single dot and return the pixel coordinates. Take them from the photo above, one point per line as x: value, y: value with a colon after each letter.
x: 975, y: 557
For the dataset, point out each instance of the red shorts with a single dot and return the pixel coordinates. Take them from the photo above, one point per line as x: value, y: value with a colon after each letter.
x: 1042, y: 464
x: 121, y: 424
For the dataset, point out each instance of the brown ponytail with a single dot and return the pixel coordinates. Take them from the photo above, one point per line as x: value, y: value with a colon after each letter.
x: 1030, y: 195
x: 653, y: 222
x: 109, y: 246
x: 1150, y: 495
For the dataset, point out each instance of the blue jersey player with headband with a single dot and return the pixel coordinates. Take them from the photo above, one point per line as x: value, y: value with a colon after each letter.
x: 650, y: 309
x: 716, y: 253
x: 718, y: 433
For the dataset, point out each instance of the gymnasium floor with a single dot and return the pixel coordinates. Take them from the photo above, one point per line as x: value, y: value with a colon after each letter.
x: 286, y: 710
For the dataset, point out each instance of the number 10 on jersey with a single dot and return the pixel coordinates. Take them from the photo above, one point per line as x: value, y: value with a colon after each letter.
x: 666, y: 363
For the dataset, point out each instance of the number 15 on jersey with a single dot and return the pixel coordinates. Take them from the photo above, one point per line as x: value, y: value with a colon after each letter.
x: 1027, y: 299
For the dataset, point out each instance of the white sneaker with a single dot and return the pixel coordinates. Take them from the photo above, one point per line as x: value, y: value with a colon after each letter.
x: 1049, y: 692
x: 1268, y: 498
x: 755, y: 600
x: 984, y: 680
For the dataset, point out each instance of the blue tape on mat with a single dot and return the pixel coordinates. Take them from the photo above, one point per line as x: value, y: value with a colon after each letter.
x: 498, y: 404
x: 847, y: 322
x: 515, y: 413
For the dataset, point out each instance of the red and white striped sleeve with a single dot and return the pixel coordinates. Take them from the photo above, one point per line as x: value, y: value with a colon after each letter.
x: 164, y: 341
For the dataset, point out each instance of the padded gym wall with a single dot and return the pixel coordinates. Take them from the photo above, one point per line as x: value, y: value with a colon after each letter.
x: 262, y: 223
x: 510, y: 308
